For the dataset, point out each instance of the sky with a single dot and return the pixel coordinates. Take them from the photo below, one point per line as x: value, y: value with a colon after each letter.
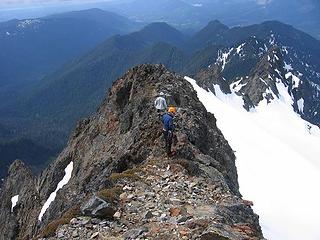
x: 17, y: 3
x: 10, y: 3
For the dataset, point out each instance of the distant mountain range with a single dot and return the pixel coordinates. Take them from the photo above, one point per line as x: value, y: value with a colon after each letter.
x: 52, y: 107
x: 194, y: 14
x: 32, y: 48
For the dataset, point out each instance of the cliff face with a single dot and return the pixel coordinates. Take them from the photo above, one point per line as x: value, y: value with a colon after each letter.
x: 126, y: 134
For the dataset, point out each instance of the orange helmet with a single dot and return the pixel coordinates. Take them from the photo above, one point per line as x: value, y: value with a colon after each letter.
x: 172, y: 110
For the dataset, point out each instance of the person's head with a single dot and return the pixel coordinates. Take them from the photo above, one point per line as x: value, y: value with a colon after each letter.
x: 172, y: 110
x: 161, y: 94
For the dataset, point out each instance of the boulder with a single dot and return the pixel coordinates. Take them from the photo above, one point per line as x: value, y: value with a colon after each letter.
x: 97, y: 207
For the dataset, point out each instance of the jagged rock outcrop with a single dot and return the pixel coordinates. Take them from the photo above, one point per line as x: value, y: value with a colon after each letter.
x: 126, y: 134
x: 261, y: 83
x: 211, y: 76
x: 18, y: 222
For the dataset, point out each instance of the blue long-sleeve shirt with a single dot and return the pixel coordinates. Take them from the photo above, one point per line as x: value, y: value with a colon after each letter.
x: 167, y: 121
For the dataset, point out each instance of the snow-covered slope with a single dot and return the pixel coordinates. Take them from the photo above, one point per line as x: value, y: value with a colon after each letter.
x: 277, y: 159
x: 255, y: 65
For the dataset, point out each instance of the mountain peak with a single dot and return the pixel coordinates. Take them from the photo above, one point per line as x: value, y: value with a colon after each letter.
x: 161, y: 31
x: 17, y: 169
x: 17, y: 191
x: 121, y: 147
x: 158, y: 25
x: 17, y: 164
x: 263, y: 80
x: 216, y: 24
x: 161, y: 27
x: 208, y: 35
x: 214, y: 27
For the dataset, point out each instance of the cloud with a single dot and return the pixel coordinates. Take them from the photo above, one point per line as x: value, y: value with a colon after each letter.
x: 263, y: 2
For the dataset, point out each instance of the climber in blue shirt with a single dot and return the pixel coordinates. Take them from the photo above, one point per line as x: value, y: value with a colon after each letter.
x: 168, y: 127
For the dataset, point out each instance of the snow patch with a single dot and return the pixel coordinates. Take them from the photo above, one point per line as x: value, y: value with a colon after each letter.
x: 277, y: 71
x: 236, y: 86
x: 300, y: 104
x: 8, y: 34
x: 261, y: 79
x: 272, y: 40
x: 295, y: 80
x: 239, y: 49
x: 223, y: 58
x: 28, y: 22
x: 284, y: 95
x: 287, y: 67
x: 265, y: 48
x: 285, y: 50
x: 277, y: 160
x: 14, y: 201
x: 61, y: 184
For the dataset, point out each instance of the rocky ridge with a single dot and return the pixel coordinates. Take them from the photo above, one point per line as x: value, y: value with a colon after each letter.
x: 166, y: 202
x: 119, y: 167
x: 261, y: 84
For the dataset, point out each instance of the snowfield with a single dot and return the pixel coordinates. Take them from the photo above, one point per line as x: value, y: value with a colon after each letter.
x: 278, y: 161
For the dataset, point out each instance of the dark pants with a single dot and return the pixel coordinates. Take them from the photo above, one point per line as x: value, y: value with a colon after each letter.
x: 168, y: 135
